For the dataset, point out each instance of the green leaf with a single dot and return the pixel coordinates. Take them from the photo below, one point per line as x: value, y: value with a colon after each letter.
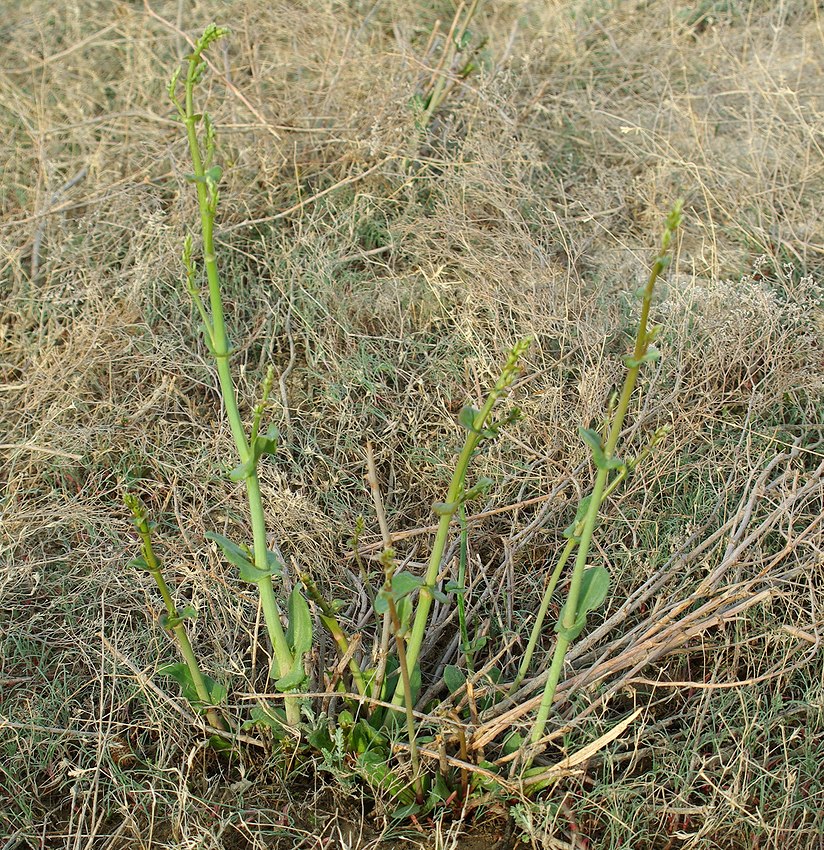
x: 274, y: 565
x: 219, y: 744
x: 475, y: 644
x: 583, y: 507
x: 139, y: 563
x: 512, y: 743
x: 593, y: 440
x: 494, y: 694
x: 445, y: 508
x: 372, y: 766
x: 243, y: 559
x: 404, y: 583
x: 214, y: 174
x: 240, y: 556
x: 207, y: 339
x: 252, y: 574
x: 299, y: 638
x: 483, y: 781
x: 438, y: 594
x: 293, y: 679
x: 406, y: 811
x: 320, y: 739
x: 299, y: 630
x: 481, y: 488
x: 405, y: 610
x: 453, y: 678
x: 364, y: 737
x: 571, y: 633
x: 463, y: 41
x: 381, y: 602
x: 440, y: 790
x: 267, y: 444
x: 264, y: 444
x: 241, y: 471
x: 594, y: 589
x: 652, y: 355
x: 466, y: 418
x: 267, y: 718
x: 168, y: 621
x: 183, y: 676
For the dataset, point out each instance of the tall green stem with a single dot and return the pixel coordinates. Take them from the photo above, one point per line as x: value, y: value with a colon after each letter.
x: 641, y: 352
x: 217, y: 337
x: 574, y: 533
x: 329, y: 618
x: 448, y: 509
x: 463, y: 627
x: 403, y: 664
x: 541, y: 616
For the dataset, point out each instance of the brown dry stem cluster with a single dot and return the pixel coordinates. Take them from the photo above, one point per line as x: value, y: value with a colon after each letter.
x: 385, y: 272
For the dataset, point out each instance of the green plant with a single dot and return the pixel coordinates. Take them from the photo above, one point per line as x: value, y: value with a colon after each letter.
x: 479, y: 428
x: 378, y: 692
x: 588, y: 587
x: 257, y: 564
x: 459, y: 57
x: 203, y: 692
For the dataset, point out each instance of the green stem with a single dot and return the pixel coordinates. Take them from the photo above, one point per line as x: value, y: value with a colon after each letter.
x: 197, y: 677
x: 436, y: 95
x: 179, y: 630
x: 219, y: 340
x: 329, y: 619
x: 453, y: 496
x: 403, y: 664
x: 537, y: 626
x: 461, y: 595
x: 575, y: 536
x: 642, y: 342
x: 453, y: 501
x: 219, y: 344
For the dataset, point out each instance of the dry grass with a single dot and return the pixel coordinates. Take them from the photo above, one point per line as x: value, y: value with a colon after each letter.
x: 383, y: 300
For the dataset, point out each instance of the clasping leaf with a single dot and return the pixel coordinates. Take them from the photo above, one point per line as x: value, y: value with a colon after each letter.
x: 243, y: 559
x: 403, y: 584
x: 594, y: 588
x: 593, y: 440
x: 264, y: 444
x: 652, y: 355
x: 183, y: 676
x: 168, y: 621
x: 299, y: 638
